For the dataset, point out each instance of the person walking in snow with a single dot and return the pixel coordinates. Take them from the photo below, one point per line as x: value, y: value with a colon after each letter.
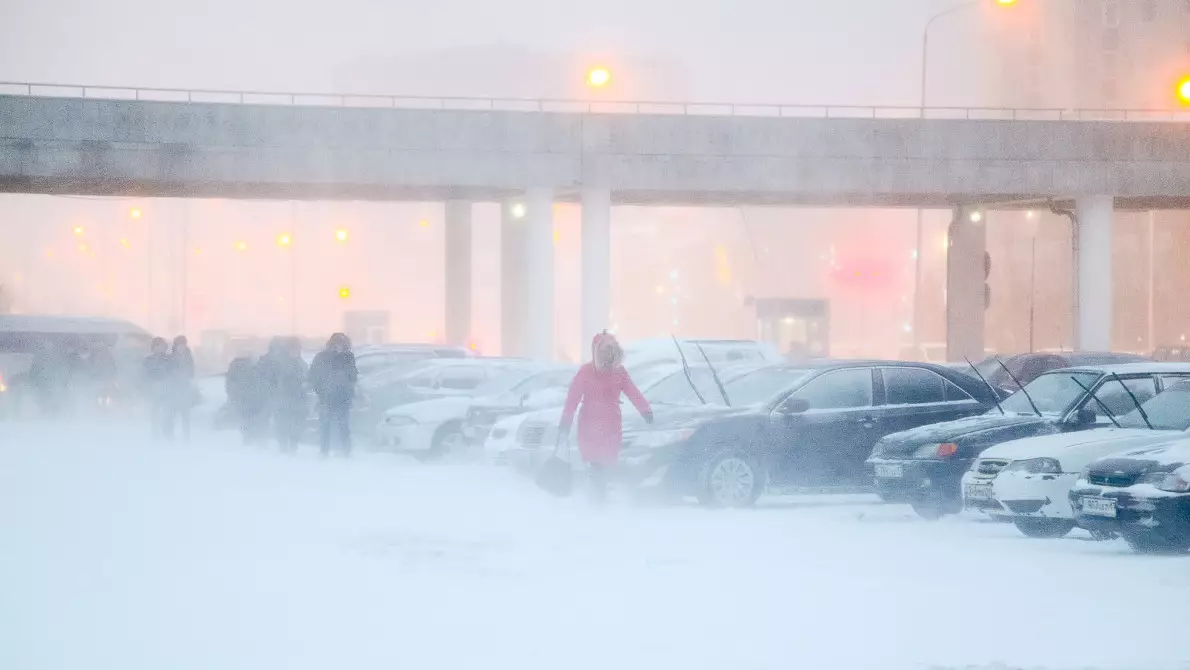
x: 155, y: 378
x: 333, y: 376
x: 282, y: 374
x: 180, y: 391
x: 596, y: 388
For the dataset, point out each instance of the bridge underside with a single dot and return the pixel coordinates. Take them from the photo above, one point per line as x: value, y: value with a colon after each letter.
x: 399, y: 193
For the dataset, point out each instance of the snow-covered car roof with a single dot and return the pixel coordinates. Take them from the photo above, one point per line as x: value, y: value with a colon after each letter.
x: 1130, y: 368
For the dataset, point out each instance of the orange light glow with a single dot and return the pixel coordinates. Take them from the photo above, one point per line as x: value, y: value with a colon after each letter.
x: 135, y: 213
x: 1006, y: 2
x: 599, y: 77
x: 284, y: 240
x: 1184, y: 91
x: 947, y: 449
x: 241, y: 246
x: 344, y: 293
x: 78, y: 230
x: 124, y: 242
x: 341, y: 235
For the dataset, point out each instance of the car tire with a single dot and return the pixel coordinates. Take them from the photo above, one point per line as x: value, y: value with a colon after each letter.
x: 1044, y: 528
x: 1156, y: 542
x: 440, y: 444
x: 731, y: 478
x: 932, y: 509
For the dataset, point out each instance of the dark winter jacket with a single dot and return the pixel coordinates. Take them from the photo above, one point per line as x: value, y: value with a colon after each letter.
x: 156, y: 370
x: 246, y: 390
x: 284, y: 378
x: 333, y: 376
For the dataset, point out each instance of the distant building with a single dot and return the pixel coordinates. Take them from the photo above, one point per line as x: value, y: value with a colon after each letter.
x: 1090, y: 54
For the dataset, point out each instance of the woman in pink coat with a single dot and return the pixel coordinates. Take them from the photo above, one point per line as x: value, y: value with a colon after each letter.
x: 597, y: 387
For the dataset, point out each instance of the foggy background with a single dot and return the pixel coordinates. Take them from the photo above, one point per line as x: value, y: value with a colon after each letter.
x: 202, y: 265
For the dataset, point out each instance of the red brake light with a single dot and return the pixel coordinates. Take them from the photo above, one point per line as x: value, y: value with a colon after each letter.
x: 947, y: 449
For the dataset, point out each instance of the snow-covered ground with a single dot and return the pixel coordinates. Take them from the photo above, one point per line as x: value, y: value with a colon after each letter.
x: 120, y: 555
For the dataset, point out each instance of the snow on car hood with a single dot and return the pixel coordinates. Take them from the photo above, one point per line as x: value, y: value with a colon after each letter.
x: 1164, y: 457
x: 433, y: 410
x: 1075, y: 450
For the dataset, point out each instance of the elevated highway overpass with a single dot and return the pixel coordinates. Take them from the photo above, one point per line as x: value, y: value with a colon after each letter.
x: 638, y: 153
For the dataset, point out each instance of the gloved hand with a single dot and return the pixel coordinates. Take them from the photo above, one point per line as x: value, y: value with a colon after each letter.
x: 648, y: 417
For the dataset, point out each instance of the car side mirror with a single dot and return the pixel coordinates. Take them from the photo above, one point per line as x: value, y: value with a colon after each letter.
x: 1083, y: 417
x: 795, y: 406
x: 524, y: 399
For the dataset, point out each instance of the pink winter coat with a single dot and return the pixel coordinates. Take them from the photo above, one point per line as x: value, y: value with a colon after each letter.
x: 599, y: 422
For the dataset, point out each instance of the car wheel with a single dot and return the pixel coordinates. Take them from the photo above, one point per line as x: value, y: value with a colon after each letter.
x: 445, y: 438
x: 1156, y: 542
x: 731, y: 479
x: 930, y: 510
x: 1044, y: 528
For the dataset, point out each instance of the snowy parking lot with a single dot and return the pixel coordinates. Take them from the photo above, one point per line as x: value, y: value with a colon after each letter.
x: 119, y: 554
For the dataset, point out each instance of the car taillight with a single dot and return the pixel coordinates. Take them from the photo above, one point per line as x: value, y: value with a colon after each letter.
x: 947, y: 449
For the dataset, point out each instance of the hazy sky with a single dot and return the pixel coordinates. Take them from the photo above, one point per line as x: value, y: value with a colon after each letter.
x: 839, y: 51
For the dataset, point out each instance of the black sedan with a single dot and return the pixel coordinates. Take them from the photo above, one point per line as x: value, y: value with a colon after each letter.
x: 1143, y: 495
x: 809, y: 425
x: 924, y: 466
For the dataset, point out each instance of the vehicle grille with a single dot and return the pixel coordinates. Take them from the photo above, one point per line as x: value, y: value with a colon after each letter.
x: 1111, y: 479
x: 531, y: 434
x: 991, y: 466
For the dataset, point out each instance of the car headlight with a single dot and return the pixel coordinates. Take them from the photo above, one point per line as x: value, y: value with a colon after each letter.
x: 662, y: 438
x: 1174, y: 482
x: 943, y: 450
x: 1036, y: 466
x: 398, y: 420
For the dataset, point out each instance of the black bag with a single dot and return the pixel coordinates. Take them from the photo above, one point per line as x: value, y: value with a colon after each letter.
x: 554, y: 476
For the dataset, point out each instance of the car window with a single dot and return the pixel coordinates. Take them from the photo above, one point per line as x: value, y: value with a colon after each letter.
x: 763, y: 385
x: 1168, y: 410
x: 425, y: 379
x: 954, y: 393
x: 676, y: 388
x: 838, y: 389
x: 461, y: 378
x: 912, y: 386
x: 1168, y: 381
x: 1113, y: 396
x: 1055, y: 393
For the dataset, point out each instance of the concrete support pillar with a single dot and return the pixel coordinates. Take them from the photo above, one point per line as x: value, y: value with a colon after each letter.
x: 596, y: 265
x: 512, y: 279
x: 1093, y: 297
x: 965, y: 292
x: 539, y: 273
x: 458, y: 272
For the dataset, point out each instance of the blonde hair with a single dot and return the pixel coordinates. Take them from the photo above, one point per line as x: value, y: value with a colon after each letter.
x: 611, y: 345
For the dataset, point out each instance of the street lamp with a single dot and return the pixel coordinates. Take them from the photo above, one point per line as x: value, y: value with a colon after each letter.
x: 135, y: 213
x: 341, y: 235
x: 284, y: 240
x: 925, y: 61
x: 599, y: 77
x: 1184, y: 91
x: 518, y: 211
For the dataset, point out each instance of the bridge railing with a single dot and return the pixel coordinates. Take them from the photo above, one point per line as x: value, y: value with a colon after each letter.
x: 586, y: 106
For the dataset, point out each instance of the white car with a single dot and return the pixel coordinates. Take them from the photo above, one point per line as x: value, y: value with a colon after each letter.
x: 1027, y: 481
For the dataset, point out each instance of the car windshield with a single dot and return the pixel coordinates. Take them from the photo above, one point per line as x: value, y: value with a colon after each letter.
x: 503, y: 380
x: 759, y: 387
x: 1055, y: 393
x: 1168, y: 410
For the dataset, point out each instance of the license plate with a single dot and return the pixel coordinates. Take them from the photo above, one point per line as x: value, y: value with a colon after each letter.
x: 889, y: 470
x: 1099, y: 506
x: 978, y: 491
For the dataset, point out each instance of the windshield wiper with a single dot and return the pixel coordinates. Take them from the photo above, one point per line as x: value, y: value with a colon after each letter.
x: 995, y: 396
x: 1020, y: 385
x: 686, y: 370
x: 1132, y: 395
x: 1094, y: 397
x: 715, y: 375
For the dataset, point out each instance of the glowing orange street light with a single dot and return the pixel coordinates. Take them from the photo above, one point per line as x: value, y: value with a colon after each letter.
x: 344, y: 293
x: 284, y: 240
x: 1006, y: 2
x: 599, y: 77
x: 241, y: 246
x: 78, y: 230
x: 135, y: 213
x: 341, y: 235
x: 1184, y: 91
